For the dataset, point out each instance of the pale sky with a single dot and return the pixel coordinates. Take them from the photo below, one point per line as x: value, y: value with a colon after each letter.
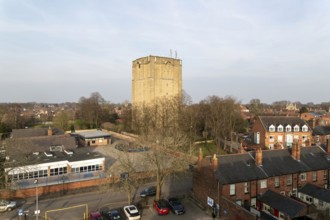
x: 60, y: 50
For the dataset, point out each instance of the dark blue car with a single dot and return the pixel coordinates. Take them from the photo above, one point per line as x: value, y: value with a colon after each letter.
x: 176, y: 206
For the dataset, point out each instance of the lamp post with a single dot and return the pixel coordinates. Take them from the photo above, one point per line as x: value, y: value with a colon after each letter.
x: 37, y: 209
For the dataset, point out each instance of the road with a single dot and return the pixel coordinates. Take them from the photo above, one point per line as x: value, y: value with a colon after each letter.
x: 74, y: 206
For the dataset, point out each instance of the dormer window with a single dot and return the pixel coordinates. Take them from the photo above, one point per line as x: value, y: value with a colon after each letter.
x: 280, y: 128
x: 296, y: 128
x: 288, y: 128
x: 272, y: 128
x: 304, y: 128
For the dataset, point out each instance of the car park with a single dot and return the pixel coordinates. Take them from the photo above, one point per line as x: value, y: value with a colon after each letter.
x: 176, y: 206
x: 161, y: 207
x: 113, y: 214
x: 6, y: 205
x: 150, y: 191
x: 131, y: 212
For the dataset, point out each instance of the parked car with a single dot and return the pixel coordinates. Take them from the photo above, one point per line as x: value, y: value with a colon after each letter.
x: 95, y: 216
x: 6, y: 205
x: 131, y: 212
x: 161, y: 207
x: 150, y: 191
x: 176, y: 206
x: 113, y: 214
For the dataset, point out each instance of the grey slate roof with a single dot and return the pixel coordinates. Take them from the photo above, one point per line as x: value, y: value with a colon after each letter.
x: 34, y: 132
x: 266, y: 121
x: 91, y: 134
x: 321, y: 130
x: 316, y: 192
x: 284, y: 204
x: 315, y: 158
x: 280, y: 162
x: 238, y: 168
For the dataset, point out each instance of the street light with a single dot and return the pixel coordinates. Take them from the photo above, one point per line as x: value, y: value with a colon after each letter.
x: 37, y: 209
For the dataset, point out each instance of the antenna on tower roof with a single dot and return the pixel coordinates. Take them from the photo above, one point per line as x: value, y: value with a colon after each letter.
x: 176, y: 54
x: 171, y: 53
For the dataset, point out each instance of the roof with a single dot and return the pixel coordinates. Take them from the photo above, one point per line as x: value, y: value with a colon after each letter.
x: 34, y: 132
x: 237, y: 168
x: 316, y: 192
x: 321, y: 130
x: 34, y: 158
x: 280, y: 162
x: 284, y: 204
x: 266, y: 121
x: 91, y: 134
x: 23, y: 146
x: 315, y: 158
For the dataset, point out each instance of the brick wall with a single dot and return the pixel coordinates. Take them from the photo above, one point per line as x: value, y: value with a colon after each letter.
x: 44, y: 190
x: 205, y: 185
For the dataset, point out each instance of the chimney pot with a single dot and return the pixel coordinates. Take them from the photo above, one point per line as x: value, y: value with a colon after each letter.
x: 241, y: 148
x: 214, y: 162
x: 50, y: 131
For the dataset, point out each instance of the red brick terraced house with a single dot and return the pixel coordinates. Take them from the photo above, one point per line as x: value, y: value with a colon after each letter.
x: 280, y: 131
x: 243, y: 178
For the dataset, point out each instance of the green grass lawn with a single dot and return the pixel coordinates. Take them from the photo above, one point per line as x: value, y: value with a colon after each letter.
x: 209, y: 149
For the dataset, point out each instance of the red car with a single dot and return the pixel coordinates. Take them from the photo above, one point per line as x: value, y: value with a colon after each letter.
x: 95, y: 216
x: 161, y: 207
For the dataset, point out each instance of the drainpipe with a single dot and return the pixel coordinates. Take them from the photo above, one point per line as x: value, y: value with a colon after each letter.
x: 328, y: 180
x: 218, y: 214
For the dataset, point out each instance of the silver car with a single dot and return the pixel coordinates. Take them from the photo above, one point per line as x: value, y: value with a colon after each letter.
x: 6, y: 205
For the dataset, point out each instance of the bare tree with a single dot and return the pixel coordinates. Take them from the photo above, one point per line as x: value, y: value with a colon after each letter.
x: 222, y: 117
x: 167, y: 135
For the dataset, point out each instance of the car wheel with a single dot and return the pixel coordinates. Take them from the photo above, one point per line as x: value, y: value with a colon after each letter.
x: 9, y: 209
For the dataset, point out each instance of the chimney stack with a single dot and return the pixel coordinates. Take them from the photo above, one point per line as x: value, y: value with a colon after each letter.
x: 50, y: 131
x: 241, y: 148
x: 296, y: 151
x: 259, y: 156
x: 214, y: 162
x: 200, y: 155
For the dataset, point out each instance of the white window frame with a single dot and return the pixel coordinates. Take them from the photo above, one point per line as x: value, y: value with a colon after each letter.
x: 280, y: 128
x: 271, y: 138
x: 253, y: 202
x: 246, y: 187
x: 314, y: 176
x: 289, y: 180
x: 303, y: 177
x: 296, y: 128
x: 325, y: 174
x: 271, y: 128
x: 277, y: 181
x: 304, y: 128
x: 263, y: 184
x: 280, y: 138
x: 232, y: 189
x: 288, y: 128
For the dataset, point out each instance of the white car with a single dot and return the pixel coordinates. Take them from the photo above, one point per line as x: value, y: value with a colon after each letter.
x: 7, y: 205
x: 131, y: 212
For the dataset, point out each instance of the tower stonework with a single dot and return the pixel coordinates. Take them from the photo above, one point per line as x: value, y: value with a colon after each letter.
x: 155, y: 77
